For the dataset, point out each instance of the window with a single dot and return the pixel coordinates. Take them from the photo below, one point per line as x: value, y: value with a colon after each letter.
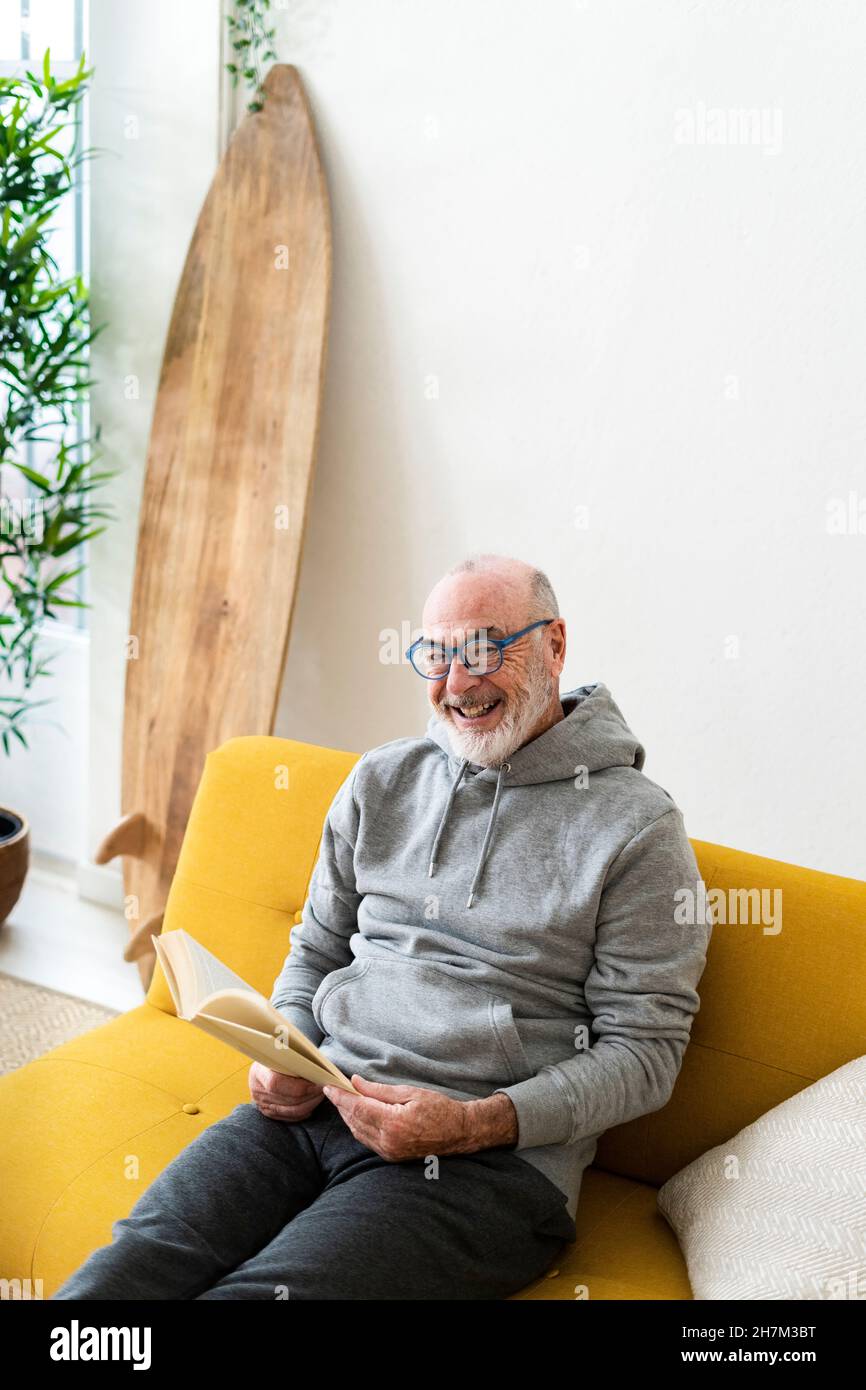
x: 27, y: 28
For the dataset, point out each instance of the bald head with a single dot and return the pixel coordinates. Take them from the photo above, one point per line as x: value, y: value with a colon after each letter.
x: 525, y: 590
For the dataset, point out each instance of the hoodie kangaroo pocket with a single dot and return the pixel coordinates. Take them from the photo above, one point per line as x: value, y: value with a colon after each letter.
x: 421, y: 1023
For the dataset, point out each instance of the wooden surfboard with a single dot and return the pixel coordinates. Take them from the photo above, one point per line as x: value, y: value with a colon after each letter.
x: 226, y: 488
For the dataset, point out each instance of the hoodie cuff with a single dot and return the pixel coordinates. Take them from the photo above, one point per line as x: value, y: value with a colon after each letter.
x: 302, y: 1018
x: 544, y: 1114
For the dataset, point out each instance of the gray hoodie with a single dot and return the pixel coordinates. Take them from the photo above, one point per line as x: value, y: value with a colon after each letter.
x: 513, y: 929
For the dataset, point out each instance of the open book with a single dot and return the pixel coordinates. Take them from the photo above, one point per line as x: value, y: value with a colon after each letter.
x: 214, y: 998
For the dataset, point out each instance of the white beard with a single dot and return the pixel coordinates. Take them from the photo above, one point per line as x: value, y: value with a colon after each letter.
x: 525, y: 709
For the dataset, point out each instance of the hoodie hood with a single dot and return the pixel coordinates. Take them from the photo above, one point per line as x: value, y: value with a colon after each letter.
x: 593, y: 735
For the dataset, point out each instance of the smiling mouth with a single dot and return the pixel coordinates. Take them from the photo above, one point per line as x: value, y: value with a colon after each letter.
x: 475, y: 714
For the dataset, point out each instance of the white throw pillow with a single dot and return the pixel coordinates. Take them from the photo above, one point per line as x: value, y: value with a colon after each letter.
x: 780, y: 1211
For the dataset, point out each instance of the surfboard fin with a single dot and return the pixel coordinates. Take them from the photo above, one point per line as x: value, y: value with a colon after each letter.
x: 127, y: 837
x: 139, y: 943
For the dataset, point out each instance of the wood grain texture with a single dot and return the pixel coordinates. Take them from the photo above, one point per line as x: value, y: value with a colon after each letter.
x: 233, y: 441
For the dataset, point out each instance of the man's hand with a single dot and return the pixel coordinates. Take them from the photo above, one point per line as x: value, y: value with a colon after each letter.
x: 399, y: 1122
x: 283, y: 1097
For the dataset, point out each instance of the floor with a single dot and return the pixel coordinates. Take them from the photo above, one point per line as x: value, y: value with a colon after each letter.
x: 35, y: 1020
x: 55, y: 938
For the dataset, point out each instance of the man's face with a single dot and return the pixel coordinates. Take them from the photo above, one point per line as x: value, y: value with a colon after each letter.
x: 519, y: 694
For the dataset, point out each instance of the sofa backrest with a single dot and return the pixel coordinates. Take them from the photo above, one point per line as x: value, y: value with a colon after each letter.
x: 249, y: 849
x: 782, y: 998
x: 782, y: 1004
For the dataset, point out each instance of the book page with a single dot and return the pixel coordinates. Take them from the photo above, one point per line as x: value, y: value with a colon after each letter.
x: 219, y: 1002
x: 176, y: 967
x: 254, y: 1012
x: 263, y: 1047
x: 210, y: 974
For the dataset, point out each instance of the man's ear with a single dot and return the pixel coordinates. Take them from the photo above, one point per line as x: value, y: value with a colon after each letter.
x: 558, y: 644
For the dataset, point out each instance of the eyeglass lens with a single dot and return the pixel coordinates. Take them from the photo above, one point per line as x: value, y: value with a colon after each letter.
x: 481, y: 657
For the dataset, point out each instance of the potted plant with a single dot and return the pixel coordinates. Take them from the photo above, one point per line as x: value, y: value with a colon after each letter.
x: 44, y: 335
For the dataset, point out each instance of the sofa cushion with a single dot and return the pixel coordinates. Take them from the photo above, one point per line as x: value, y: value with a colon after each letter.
x: 88, y: 1126
x: 114, y: 1106
x: 778, y: 1211
x: 623, y: 1249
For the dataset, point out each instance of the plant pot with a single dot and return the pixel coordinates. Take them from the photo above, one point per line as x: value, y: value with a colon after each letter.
x: 14, y: 858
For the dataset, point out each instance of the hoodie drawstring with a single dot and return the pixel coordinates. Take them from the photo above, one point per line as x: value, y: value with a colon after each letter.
x: 464, y: 763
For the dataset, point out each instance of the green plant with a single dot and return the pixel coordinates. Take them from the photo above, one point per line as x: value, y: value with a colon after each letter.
x: 251, y: 40
x: 44, y: 335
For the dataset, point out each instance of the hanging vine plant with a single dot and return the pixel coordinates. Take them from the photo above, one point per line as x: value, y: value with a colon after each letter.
x: 252, y: 40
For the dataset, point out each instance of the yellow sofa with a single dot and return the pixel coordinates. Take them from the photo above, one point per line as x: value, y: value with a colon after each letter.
x: 85, y: 1128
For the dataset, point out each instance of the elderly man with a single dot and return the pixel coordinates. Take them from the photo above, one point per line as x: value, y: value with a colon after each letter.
x: 491, y: 949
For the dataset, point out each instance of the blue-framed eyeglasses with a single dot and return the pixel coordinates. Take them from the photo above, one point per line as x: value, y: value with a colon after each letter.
x: 480, y: 655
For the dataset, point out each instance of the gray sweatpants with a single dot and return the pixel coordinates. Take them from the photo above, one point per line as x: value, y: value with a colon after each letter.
x: 260, y: 1208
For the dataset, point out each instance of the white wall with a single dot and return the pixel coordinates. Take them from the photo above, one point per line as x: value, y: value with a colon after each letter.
x: 545, y: 300
x: 669, y: 334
